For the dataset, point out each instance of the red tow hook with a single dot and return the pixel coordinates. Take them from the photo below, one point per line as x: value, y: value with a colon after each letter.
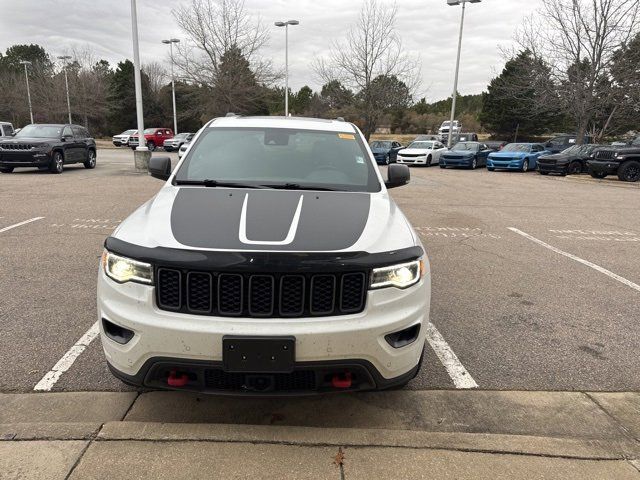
x: 341, y: 381
x: 177, y: 381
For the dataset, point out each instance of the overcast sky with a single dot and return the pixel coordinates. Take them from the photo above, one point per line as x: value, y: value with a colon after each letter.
x: 428, y: 29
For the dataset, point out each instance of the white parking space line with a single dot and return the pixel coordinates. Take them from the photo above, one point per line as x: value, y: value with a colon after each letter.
x: 600, y: 269
x: 461, y: 378
x: 34, y: 219
x: 64, y: 364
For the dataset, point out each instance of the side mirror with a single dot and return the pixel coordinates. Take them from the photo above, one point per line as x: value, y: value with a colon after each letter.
x: 397, y: 175
x: 160, y: 167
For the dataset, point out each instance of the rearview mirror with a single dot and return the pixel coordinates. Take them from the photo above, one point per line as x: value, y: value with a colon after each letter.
x: 397, y: 175
x: 160, y: 167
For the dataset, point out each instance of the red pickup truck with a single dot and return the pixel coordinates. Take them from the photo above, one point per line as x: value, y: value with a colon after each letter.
x: 154, y: 137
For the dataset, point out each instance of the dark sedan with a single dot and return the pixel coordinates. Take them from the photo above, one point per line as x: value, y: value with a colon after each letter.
x: 466, y: 154
x: 571, y: 161
x: 385, y: 151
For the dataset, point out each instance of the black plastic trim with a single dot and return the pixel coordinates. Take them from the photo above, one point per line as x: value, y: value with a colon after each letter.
x: 163, y: 305
x: 253, y: 313
x: 257, y: 262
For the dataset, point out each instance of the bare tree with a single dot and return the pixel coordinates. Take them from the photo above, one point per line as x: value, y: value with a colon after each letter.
x: 371, y: 50
x: 579, y: 38
x: 214, y: 27
x: 157, y: 74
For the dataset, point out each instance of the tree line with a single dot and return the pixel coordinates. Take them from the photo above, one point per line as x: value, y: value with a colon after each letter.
x: 575, y: 68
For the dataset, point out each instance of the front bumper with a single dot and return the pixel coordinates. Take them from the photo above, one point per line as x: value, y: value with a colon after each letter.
x: 605, y: 166
x: 412, y: 160
x: 322, y: 344
x: 24, y: 159
x: 455, y: 162
x: 553, y: 167
x: 505, y: 164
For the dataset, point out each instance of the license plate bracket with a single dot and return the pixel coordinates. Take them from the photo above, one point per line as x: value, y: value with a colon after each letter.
x: 258, y: 354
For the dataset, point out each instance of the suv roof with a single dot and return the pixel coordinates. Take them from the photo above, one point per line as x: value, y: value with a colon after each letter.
x: 284, y: 122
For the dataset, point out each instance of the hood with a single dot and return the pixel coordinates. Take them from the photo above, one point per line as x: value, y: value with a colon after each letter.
x: 380, y: 150
x: 14, y: 140
x: 200, y: 218
x: 415, y: 151
x: 460, y: 153
x: 503, y: 154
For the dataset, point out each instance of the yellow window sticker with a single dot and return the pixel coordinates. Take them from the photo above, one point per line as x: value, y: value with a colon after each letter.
x: 347, y: 136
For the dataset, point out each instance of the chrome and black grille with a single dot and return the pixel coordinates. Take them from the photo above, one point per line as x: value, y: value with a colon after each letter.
x: 260, y: 295
x: 15, y: 146
x: 605, y: 154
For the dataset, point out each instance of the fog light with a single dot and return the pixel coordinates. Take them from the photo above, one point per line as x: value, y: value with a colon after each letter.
x: 403, y: 337
x: 117, y: 333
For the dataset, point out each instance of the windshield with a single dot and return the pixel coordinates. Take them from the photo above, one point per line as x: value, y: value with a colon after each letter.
x: 147, y: 131
x: 517, y: 147
x: 379, y: 144
x: 128, y: 132
x: 423, y: 145
x: 573, y: 150
x: 471, y: 147
x: 40, y: 131
x: 271, y: 157
x: 181, y: 136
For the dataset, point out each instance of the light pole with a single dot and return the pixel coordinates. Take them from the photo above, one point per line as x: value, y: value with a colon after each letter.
x: 138, y: 82
x: 26, y: 77
x: 286, y: 61
x: 64, y: 59
x: 453, y: 3
x: 171, y: 41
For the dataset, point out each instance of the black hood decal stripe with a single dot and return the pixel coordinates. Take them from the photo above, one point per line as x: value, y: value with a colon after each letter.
x: 245, y: 219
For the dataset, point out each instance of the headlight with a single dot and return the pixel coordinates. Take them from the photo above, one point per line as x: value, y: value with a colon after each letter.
x: 122, y: 269
x: 401, y: 276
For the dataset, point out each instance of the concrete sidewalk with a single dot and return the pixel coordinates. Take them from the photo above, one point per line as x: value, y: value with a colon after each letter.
x: 404, y: 434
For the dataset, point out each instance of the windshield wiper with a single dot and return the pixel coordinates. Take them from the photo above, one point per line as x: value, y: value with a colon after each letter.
x: 297, y: 186
x: 216, y: 183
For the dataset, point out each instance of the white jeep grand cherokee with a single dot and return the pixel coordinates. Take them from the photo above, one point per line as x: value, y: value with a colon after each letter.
x: 272, y: 262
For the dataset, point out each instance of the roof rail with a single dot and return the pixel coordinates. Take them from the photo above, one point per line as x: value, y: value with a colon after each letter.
x: 340, y: 119
x: 232, y: 114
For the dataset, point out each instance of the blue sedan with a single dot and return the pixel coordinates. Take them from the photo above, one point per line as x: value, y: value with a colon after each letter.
x: 466, y: 154
x: 385, y: 151
x: 516, y: 156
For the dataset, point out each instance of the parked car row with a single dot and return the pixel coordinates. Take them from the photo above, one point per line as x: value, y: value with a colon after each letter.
x: 154, y: 138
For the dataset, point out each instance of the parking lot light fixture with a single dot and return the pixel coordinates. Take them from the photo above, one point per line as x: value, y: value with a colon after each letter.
x: 453, y: 3
x: 286, y: 61
x: 26, y: 77
x: 170, y: 42
x: 138, y: 82
x: 65, y: 59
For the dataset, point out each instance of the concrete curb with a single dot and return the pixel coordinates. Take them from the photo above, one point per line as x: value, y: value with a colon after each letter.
x: 357, y: 437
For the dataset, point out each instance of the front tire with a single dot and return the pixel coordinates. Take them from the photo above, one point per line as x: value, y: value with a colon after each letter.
x: 429, y: 159
x: 596, y: 174
x: 629, y: 171
x: 543, y: 172
x: 474, y: 163
x: 387, y: 161
x: 57, y: 163
x: 6, y: 169
x: 491, y: 169
x: 151, y: 146
x: 525, y: 165
x: 90, y: 162
x: 574, y: 168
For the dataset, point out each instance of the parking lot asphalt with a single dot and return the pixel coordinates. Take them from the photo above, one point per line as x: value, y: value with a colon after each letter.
x: 534, y: 278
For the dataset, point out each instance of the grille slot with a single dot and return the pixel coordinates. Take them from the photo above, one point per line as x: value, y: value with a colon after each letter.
x: 230, y: 294
x: 169, y: 288
x: 260, y: 295
x: 352, y: 292
x: 292, y: 295
x: 199, y: 292
x: 322, y: 294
